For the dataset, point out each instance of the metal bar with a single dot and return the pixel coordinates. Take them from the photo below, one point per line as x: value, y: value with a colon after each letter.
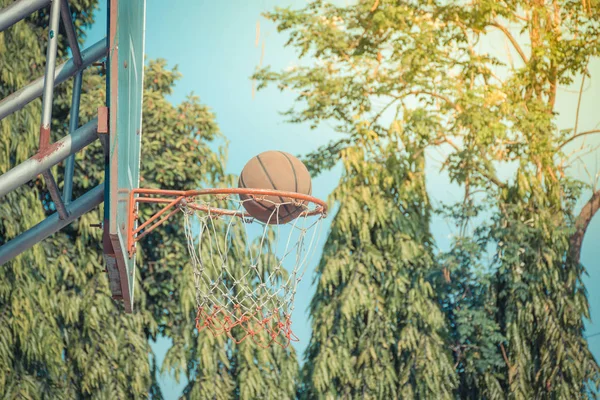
x: 48, y: 91
x: 50, y: 225
x: 256, y: 193
x: 161, y: 192
x: 132, y: 217
x: 220, y: 211
x: 152, y: 200
x: 158, y: 214
x: 104, y: 139
x: 67, y: 20
x: 54, y: 154
x: 19, y: 10
x: 73, y: 125
x: 55, y: 194
x: 24, y: 96
x: 47, y: 100
x: 155, y: 225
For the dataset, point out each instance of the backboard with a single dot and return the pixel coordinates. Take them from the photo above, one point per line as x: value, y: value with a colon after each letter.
x: 125, y: 91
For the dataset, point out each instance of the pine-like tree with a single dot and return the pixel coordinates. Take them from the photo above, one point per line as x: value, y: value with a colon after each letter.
x: 378, y: 331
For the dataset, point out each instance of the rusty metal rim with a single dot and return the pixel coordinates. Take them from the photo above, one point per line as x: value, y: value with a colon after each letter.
x: 175, y: 198
x: 321, y: 208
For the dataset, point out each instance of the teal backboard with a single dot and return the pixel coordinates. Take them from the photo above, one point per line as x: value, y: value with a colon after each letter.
x: 125, y: 92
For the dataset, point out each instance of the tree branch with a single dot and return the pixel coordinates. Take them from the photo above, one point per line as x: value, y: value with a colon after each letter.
x: 581, y: 224
x: 505, y: 356
x: 436, y: 95
x: 375, y: 5
x: 512, y: 40
x: 511, y: 368
x: 579, y: 104
x: 563, y: 144
x: 458, y: 108
x: 380, y: 113
x: 492, y: 178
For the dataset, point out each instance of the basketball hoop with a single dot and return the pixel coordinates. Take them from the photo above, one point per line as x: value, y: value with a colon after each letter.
x: 245, y: 271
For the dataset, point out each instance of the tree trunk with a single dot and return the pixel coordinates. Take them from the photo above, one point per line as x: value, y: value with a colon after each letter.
x: 582, y: 223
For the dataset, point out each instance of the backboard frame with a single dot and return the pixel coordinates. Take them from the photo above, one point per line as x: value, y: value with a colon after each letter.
x: 127, y: 19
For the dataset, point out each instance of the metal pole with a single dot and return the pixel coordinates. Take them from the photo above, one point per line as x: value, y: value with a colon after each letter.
x: 73, y: 125
x: 48, y: 91
x: 19, y: 10
x: 40, y: 162
x: 47, y: 99
x: 50, y: 225
x: 24, y: 96
x: 55, y: 194
x: 67, y: 20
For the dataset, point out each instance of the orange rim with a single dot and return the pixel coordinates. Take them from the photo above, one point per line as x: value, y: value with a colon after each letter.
x: 172, y: 198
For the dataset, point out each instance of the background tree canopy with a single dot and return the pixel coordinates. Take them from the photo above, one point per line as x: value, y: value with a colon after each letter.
x: 499, y: 315
x: 409, y: 77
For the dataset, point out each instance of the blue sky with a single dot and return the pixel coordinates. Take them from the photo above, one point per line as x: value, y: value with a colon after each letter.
x: 213, y: 44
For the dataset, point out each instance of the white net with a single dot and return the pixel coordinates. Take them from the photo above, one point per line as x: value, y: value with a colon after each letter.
x: 246, y: 272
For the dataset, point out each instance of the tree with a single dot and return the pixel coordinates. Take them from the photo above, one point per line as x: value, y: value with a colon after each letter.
x: 378, y: 331
x: 62, y: 334
x: 380, y: 63
x: 468, y: 299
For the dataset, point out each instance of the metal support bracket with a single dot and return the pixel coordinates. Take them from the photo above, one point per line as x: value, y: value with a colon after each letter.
x: 103, y: 118
x: 67, y: 20
x: 58, y: 151
x: 47, y: 97
x: 52, y: 224
x: 73, y: 125
x: 19, y: 10
x: 55, y: 194
x: 25, y: 95
x: 50, y: 154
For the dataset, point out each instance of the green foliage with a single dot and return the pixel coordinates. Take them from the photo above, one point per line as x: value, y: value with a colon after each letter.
x: 177, y: 154
x: 468, y: 299
x: 420, y: 68
x: 62, y: 334
x: 378, y: 331
x: 541, y: 299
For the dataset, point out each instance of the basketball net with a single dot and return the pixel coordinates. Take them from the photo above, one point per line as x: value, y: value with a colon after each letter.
x: 246, y: 272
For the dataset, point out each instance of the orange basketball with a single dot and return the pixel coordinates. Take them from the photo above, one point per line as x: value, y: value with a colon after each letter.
x: 280, y: 171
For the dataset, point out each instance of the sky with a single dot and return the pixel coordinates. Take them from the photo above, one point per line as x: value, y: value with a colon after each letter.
x: 213, y: 45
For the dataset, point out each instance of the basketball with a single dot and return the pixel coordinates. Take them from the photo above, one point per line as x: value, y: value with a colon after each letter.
x: 280, y: 171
